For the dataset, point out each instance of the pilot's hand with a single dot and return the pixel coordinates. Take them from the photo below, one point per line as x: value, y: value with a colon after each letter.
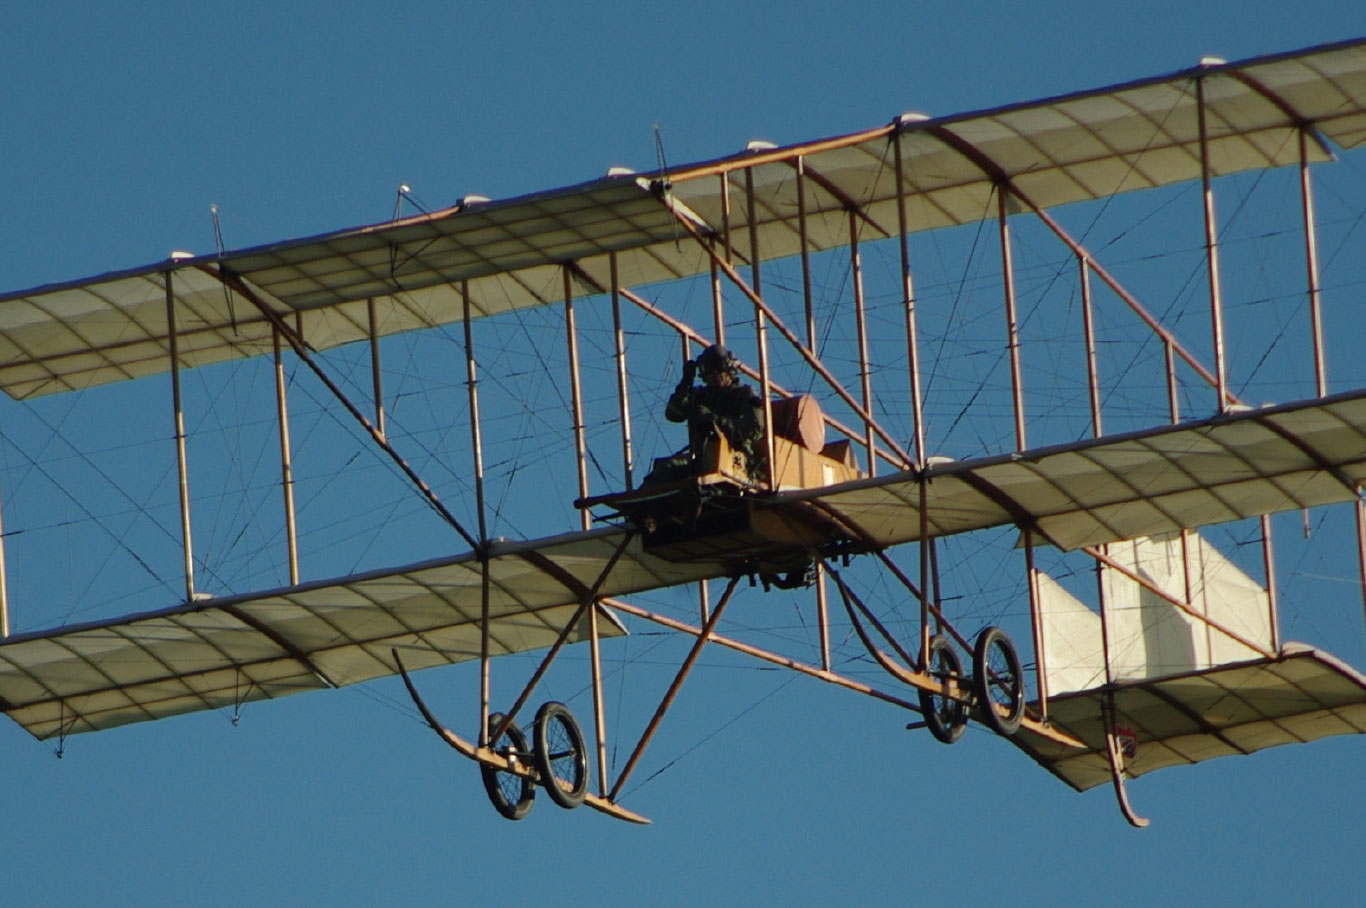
x: 690, y: 370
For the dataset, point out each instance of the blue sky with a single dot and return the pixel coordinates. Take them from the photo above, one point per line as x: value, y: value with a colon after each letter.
x: 122, y: 127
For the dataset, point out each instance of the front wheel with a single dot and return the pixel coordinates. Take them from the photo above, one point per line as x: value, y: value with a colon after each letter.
x: 945, y: 717
x: 512, y: 795
x: 561, y: 757
x: 998, y: 681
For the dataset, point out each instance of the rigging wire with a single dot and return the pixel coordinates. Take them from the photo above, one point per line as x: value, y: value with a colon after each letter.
x: 68, y: 496
x: 218, y: 244
x: 708, y: 737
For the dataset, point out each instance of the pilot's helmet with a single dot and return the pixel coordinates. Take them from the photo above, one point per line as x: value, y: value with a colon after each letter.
x: 716, y: 358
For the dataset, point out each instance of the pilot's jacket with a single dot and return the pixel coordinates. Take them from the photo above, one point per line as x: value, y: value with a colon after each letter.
x: 736, y: 412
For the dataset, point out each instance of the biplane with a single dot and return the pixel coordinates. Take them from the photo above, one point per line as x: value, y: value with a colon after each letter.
x: 1143, y: 629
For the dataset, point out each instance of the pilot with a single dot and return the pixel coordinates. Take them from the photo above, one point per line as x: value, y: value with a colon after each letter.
x: 722, y: 403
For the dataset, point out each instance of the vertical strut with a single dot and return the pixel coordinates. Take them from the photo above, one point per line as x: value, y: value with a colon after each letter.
x: 1017, y: 400
x: 1271, y: 603
x: 1036, y: 621
x: 751, y: 221
x: 476, y: 438
x: 1211, y: 250
x: 599, y: 714
x: 822, y: 602
x: 718, y: 314
x: 1311, y: 258
x: 477, y: 450
x: 623, y: 399
x: 806, y: 256
x: 908, y: 301
x: 823, y: 615
x: 725, y: 222
x: 928, y: 560
x: 924, y: 665
x: 1173, y: 400
x: 181, y: 463
x: 580, y: 447
x: 1012, y: 321
x: 760, y: 330
x: 861, y: 325
x: 286, y: 459
x: 375, y: 378
x: 1088, y: 325
x: 761, y: 334
x: 485, y: 678
x: 1104, y: 549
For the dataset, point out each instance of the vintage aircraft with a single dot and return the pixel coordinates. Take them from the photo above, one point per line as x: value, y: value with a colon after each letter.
x: 1167, y: 650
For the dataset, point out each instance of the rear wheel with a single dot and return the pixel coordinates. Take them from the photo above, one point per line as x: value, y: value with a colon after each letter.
x: 944, y: 716
x: 998, y: 681
x: 512, y: 795
x: 561, y: 757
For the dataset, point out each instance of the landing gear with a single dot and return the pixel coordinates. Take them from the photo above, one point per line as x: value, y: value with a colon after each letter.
x: 561, y: 757
x: 945, y: 717
x: 998, y: 681
x: 997, y: 694
x: 512, y: 795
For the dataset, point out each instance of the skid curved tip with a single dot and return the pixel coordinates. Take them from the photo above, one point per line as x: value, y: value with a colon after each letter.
x: 1115, y: 753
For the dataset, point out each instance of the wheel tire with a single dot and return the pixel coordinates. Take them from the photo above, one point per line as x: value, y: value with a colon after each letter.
x: 945, y: 717
x: 561, y: 756
x: 998, y: 680
x: 512, y: 795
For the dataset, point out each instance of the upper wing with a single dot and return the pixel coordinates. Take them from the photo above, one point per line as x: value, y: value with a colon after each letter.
x: 511, y: 253
x: 1236, y: 465
x: 227, y: 651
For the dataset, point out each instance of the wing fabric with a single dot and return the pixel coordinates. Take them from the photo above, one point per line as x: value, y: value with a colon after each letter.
x: 1185, y: 684
x: 510, y: 254
x: 228, y: 651
x: 1300, y: 695
x: 1147, y: 483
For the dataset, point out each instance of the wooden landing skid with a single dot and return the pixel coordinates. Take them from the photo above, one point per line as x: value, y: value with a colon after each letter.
x: 487, y: 757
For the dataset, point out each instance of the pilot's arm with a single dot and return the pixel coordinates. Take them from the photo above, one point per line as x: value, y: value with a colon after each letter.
x: 680, y: 405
